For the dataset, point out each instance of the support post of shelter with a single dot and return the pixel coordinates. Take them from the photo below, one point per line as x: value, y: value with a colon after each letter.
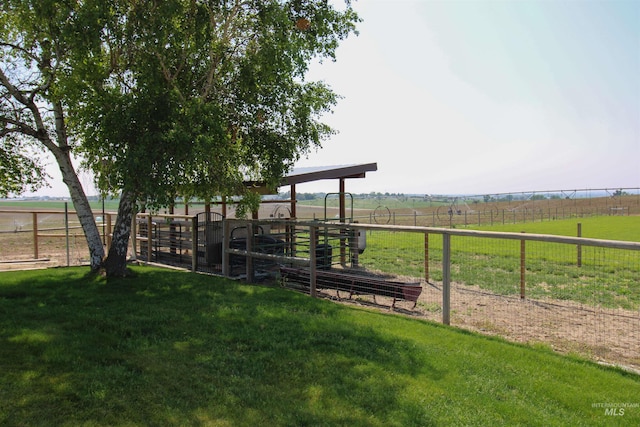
x: 293, y: 202
x: 343, y: 218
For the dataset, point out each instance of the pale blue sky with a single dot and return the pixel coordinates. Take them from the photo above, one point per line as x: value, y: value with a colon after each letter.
x: 479, y: 97
x: 487, y: 96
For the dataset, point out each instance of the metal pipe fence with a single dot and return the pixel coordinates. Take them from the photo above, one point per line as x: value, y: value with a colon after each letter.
x: 46, y: 238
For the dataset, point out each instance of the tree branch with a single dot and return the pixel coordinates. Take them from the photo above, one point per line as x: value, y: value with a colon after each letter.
x: 13, y: 91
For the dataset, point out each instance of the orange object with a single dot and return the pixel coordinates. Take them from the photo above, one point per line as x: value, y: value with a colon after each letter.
x: 303, y: 24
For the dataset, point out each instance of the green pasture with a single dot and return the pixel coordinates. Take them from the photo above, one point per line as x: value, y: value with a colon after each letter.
x: 173, y: 348
x: 607, y: 277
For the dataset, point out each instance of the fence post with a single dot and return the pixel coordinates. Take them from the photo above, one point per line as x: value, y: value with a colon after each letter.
x: 426, y: 257
x: 134, y: 235
x: 66, y: 229
x: 249, y: 249
x: 579, y: 247
x: 313, y: 236
x: 446, y: 278
x: 225, y: 245
x: 34, y: 220
x: 149, y: 238
x: 194, y: 242
x: 109, y: 232
x: 522, y: 267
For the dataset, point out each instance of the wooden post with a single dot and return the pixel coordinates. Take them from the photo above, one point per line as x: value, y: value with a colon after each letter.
x: 446, y: 278
x: 149, y: 237
x: 134, y: 235
x: 66, y: 230
x: 294, y: 214
x: 426, y: 257
x: 34, y: 220
x: 108, y: 236
x: 194, y: 243
x: 522, y: 267
x: 249, y: 249
x: 579, y: 247
x: 226, y: 270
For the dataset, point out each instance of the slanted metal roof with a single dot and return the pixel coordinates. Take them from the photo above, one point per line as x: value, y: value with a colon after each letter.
x: 309, y: 174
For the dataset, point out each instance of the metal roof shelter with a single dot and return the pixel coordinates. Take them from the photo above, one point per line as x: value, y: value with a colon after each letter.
x: 311, y: 174
x: 340, y: 172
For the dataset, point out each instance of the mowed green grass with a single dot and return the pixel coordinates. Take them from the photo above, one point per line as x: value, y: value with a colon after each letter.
x: 173, y: 349
x: 607, y: 277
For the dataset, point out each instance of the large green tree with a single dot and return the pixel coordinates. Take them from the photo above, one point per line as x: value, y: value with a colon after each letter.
x: 190, y: 98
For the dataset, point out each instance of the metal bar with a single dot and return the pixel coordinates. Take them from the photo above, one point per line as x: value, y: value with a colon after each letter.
x: 523, y: 267
x: 313, y: 267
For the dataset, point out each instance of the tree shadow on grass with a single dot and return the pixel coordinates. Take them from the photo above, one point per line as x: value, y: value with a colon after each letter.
x: 171, y: 348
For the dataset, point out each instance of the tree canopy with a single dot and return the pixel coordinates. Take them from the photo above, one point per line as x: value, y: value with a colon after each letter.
x: 164, y: 98
x: 191, y: 98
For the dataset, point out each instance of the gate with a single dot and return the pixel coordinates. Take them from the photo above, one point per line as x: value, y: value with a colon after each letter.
x: 208, y: 235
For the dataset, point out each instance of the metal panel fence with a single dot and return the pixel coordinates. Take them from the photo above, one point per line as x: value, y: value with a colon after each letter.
x: 45, y: 238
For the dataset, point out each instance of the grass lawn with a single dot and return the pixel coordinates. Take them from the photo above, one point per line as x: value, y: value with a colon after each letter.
x: 607, y: 278
x: 174, y: 348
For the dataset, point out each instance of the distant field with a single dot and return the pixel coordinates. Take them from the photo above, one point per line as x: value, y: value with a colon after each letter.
x: 601, y: 227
